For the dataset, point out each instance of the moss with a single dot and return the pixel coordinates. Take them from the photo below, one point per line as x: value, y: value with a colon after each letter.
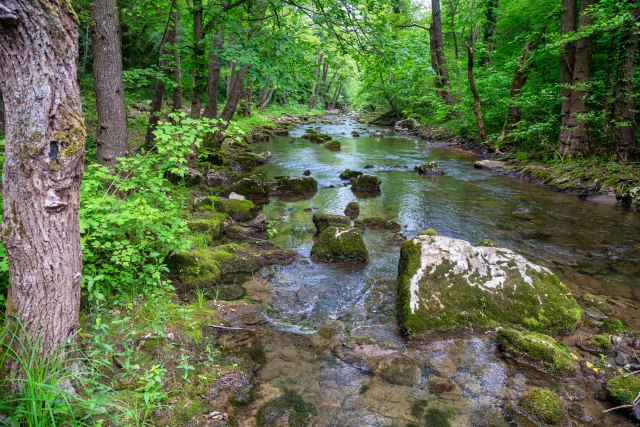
x: 429, y: 169
x: 239, y: 210
x: 202, y: 267
x: 378, y: 224
x: 336, y: 244
x: 487, y: 242
x: 436, y: 417
x: 540, y: 350
x: 366, y: 184
x: 71, y: 141
x: 352, y: 210
x: 594, y: 301
x: 295, y: 185
x: 251, y: 187
x: 210, y: 225
x: 428, y: 232
x: 290, y: 406
x: 349, y: 174
x: 333, y: 145
x: 542, y: 405
x: 323, y: 221
x: 315, y: 137
x: 597, y: 344
x: 624, y: 387
x: 613, y: 325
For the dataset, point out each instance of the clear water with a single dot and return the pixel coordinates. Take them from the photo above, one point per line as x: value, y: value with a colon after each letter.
x: 592, y: 247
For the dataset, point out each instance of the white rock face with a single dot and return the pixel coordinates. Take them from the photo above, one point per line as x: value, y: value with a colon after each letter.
x: 490, y: 164
x: 236, y: 196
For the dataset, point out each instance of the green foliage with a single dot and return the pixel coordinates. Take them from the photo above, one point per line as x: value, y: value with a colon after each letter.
x: 130, y: 217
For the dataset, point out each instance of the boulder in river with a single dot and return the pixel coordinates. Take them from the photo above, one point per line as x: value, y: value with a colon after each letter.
x: 315, y: 137
x: 366, y: 184
x: 333, y: 145
x: 323, y: 221
x: 239, y: 210
x: 447, y: 284
x: 294, y: 185
x: 632, y: 198
x: 543, y: 406
x: 349, y: 174
x: 251, y: 187
x: 490, y: 164
x: 378, y: 224
x: 352, y: 210
x: 337, y: 244
x: 429, y: 169
x: 407, y: 125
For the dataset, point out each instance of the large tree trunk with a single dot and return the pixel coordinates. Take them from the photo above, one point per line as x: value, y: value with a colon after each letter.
x: 518, y: 82
x: 199, y: 81
x: 107, y: 72
x: 215, y: 65
x: 313, y: 103
x: 1, y: 114
x: 235, y: 91
x: 174, y: 41
x: 441, y: 62
x: 574, y: 134
x: 624, y: 109
x: 476, y: 97
x: 43, y: 168
x: 491, y: 26
x: 265, y: 98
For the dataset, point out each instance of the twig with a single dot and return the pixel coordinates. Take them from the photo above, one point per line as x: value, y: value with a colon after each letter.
x: 231, y: 328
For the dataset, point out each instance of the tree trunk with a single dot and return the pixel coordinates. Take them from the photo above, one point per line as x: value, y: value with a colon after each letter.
x: 174, y: 40
x: 107, y: 71
x: 519, y: 80
x: 476, y: 97
x: 624, y: 109
x: 314, y: 92
x: 574, y: 134
x: 42, y: 169
x: 441, y: 61
x: 215, y: 65
x: 1, y: 114
x: 490, y: 29
x: 265, y: 99
x: 336, y: 96
x: 454, y: 6
x: 235, y: 91
x: 198, y: 60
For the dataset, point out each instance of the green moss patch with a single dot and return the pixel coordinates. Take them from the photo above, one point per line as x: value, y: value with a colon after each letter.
x: 594, y: 301
x: 290, y: 409
x: 367, y: 184
x: 539, y: 350
x: 543, y: 406
x: 336, y: 244
x: 428, y: 232
x: 239, y: 210
x: 352, y: 210
x: 624, y: 387
x: 294, y: 185
x: 323, y: 221
x: 597, y: 344
x: 333, y: 145
x: 614, y: 326
x: 378, y: 224
x: 349, y: 174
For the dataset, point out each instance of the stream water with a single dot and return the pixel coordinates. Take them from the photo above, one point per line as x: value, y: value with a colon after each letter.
x: 380, y: 380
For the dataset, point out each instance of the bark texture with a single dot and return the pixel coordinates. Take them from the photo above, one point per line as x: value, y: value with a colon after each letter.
x: 313, y: 102
x: 107, y: 73
x: 174, y: 41
x: 518, y: 82
x: 442, y: 74
x: 199, y: 81
x: 477, y: 111
x: 624, y: 107
x: 43, y: 167
x: 215, y: 65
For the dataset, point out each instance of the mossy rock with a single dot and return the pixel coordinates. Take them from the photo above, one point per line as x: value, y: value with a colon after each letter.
x: 209, y: 224
x: 613, y: 325
x: 597, y: 344
x: 352, y: 210
x: 239, y: 210
x: 295, y: 185
x: 315, y: 137
x: 366, y: 184
x: 323, y: 221
x: 333, y: 145
x: 487, y: 242
x: 290, y: 409
x: 594, y: 301
x: 378, y: 224
x: 251, y: 187
x: 199, y: 267
x: 338, y: 244
x: 624, y: 387
x: 349, y: 174
x: 429, y: 169
x: 538, y: 350
x: 428, y: 232
x: 447, y: 284
x: 543, y: 406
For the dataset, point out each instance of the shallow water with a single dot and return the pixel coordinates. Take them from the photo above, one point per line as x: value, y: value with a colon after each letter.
x: 592, y: 247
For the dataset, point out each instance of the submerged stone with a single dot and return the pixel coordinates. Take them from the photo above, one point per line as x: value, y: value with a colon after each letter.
x: 349, y: 174
x: 538, y: 350
x: 352, y: 210
x: 333, y: 145
x: 294, y: 185
x: 315, y: 137
x: 543, y: 406
x: 378, y: 224
x: 337, y: 244
x: 429, y: 169
x: 445, y: 284
x: 323, y: 221
x: 289, y: 409
x: 366, y: 184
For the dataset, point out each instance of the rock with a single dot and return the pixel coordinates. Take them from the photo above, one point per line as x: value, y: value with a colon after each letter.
x: 333, y: 145
x: 429, y: 169
x: 349, y: 174
x: 624, y: 387
x: 542, y: 405
x: 378, y: 224
x: 408, y: 124
x: 490, y: 165
x: 324, y: 221
x: 594, y: 301
x: 236, y: 196
x: 377, y: 134
x: 265, y: 155
x: 202, y: 203
x: 622, y: 359
x: 315, y: 137
x: 597, y: 344
x: 214, y: 178
x: 307, y: 172
x: 616, y: 341
x: 445, y: 284
x: 239, y: 210
x: 594, y: 313
x: 429, y: 232
x: 521, y: 211
x: 487, y: 242
x: 337, y: 244
x: 251, y: 187
x: 439, y: 385
x: 289, y: 409
x: 366, y: 184
x: 636, y: 343
x: 254, y: 229
x: 538, y: 350
x: 352, y: 210
x: 613, y: 326
x: 294, y: 186
x: 209, y: 224
x: 632, y: 198
x: 396, y: 369
x: 190, y: 176
x: 369, y: 167
x: 355, y: 134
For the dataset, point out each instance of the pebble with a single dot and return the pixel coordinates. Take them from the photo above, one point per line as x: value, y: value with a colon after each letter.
x: 616, y: 341
x: 622, y: 358
x: 594, y: 313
